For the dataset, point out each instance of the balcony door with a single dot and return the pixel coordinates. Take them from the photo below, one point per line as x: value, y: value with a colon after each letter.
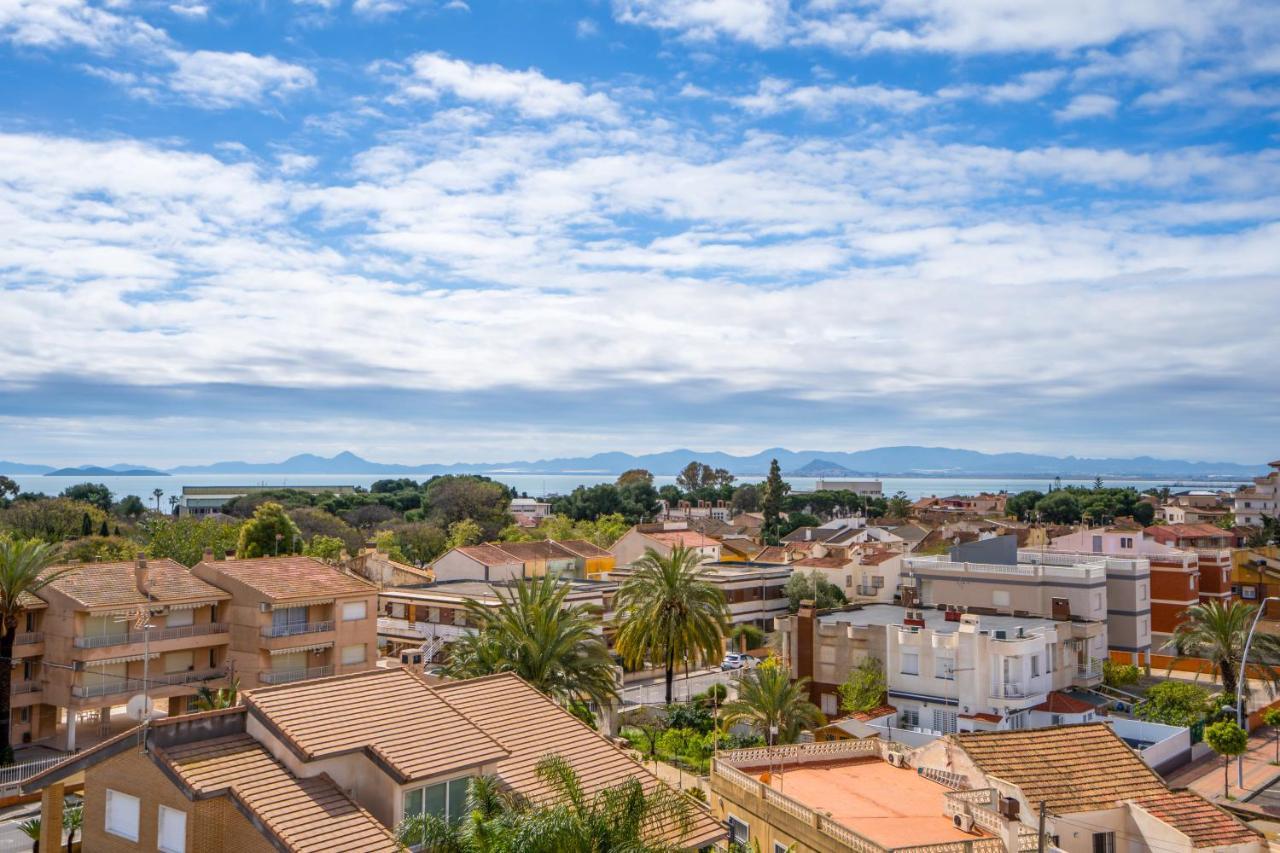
x: 289, y: 620
x: 102, y: 679
x: 292, y: 662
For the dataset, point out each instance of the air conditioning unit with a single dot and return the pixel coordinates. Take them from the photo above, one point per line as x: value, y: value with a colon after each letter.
x: 897, y: 759
x: 963, y: 822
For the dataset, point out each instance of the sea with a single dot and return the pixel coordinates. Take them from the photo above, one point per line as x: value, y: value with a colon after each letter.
x: 548, y: 485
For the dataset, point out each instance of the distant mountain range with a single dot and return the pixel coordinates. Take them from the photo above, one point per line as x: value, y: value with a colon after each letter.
x: 906, y: 461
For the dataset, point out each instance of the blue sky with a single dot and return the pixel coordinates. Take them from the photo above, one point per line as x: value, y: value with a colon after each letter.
x: 431, y: 231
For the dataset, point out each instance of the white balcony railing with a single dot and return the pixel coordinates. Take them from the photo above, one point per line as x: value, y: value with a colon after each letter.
x: 111, y: 686
x: 155, y: 635
x: 390, y: 626
x: 19, y: 687
x: 297, y: 628
x: 1009, y: 690
x: 28, y: 638
x: 1092, y: 669
x: 286, y: 676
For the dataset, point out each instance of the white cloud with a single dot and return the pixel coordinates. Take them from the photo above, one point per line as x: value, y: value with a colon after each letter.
x: 190, y: 10
x: 760, y: 22
x: 61, y: 23
x: 586, y: 28
x: 1087, y: 106
x: 774, y: 96
x: 215, y: 80
x: 528, y: 92
x: 1029, y: 86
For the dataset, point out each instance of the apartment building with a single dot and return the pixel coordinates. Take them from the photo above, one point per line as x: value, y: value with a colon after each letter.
x: 663, y: 539
x: 333, y: 764
x: 1097, y: 795
x: 1212, y: 546
x: 506, y: 561
x: 1255, y: 575
x: 754, y: 591
x: 294, y: 618
x: 689, y: 511
x: 1008, y: 665
x: 529, y: 512
x: 1253, y: 503
x: 112, y: 631
x: 30, y: 719
x: 477, y: 562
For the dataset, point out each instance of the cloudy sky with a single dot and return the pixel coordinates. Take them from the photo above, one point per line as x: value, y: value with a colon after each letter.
x: 431, y: 231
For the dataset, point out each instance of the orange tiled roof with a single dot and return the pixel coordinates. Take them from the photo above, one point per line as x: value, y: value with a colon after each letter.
x: 875, y: 558
x: 821, y: 563
x: 487, y: 555
x: 1186, y: 531
x: 583, y: 548
x: 115, y: 585
x: 687, y: 538
x: 1060, y: 703
x: 773, y: 554
x: 307, y: 814
x: 505, y: 704
x: 1202, y: 822
x: 874, y: 714
x: 528, y: 551
x: 282, y: 578
x: 390, y: 713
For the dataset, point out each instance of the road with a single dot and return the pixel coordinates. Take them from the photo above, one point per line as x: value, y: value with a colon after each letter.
x: 654, y: 692
x: 12, y: 839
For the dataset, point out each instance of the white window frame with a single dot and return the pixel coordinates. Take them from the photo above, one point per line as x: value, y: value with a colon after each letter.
x: 171, y: 814
x: 915, y: 667
x: 117, y: 800
x: 349, y: 607
x: 732, y: 819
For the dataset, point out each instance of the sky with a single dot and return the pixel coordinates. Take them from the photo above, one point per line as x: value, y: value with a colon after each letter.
x: 434, y: 230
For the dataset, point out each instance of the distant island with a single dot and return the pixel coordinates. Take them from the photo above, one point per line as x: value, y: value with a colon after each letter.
x: 899, y: 461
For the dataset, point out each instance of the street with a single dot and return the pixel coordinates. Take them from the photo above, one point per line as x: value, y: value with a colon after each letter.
x: 653, y: 692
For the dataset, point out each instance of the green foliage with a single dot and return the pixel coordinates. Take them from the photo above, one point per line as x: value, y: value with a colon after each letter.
x: 826, y: 503
x: 130, y: 506
x: 812, y: 587
x: 464, y: 532
x: 667, y: 612
x: 771, y: 495
x: 327, y: 549
x: 1271, y: 717
x: 693, y: 717
x: 746, y: 498
x: 899, y: 505
x: 269, y: 533
x: 95, y: 494
x: 534, y: 634
x: 31, y: 828
x: 185, y: 539
x: 713, y: 695
x: 457, y: 497
x: 1226, y: 738
x: 86, y: 525
x: 1216, y: 632
x: 385, y: 541
x: 420, y: 542
x: 1059, y: 507
x: 768, y: 699
x: 796, y: 520
x: 696, y: 475
x: 313, y: 522
x: 49, y: 519
x: 8, y: 489
x: 582, y: 711
x: 865, y: 687
x: 634, y: 502
x: 1174, y: 703
x: 602, y: 531
x: 92, y: 548
x: 634, y: 475
x: 208, y: 699
x: 746, y: 636
x: 1120, y: 674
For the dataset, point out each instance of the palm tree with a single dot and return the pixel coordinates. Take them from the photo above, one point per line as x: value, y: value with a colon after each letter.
x: 747, y: 636
x: 72, y: 822
x: 208, y: 699
x: 667, y: 611
x: 494, y: 817
x: 533, y: 633
x: 1216, y: 632
x: 157, y: 494
x: 31, y: 829
x: 769, y: 701
x: 23, y: 571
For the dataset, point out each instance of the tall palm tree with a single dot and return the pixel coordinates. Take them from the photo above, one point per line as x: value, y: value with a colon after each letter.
x: 668, y: 611
x: 23, y: 571
x: 1216, y: 632
x: 157, y: 494
x: 768, y: 699
x: 532, y: 632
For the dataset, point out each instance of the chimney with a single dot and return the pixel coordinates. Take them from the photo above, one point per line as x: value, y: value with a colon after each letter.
x: 142, y: 574
x: 808, y: 534
x: 805, y: 630
x: 208, y: 555
x: 231, y: 554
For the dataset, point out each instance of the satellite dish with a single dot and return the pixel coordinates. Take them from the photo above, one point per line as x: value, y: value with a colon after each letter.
x: 141, y: 707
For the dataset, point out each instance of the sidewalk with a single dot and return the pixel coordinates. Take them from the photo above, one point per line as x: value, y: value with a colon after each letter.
x: 1205, y: 776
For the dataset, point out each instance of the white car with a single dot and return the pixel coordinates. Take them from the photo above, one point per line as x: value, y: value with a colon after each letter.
x: 737, y: 660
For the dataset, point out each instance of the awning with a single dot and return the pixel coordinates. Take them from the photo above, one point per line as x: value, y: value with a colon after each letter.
x: 192, y: 605
x: 285, y: 605
x: 317, y: 647
x: 131, y: 611
x: 125, y: 659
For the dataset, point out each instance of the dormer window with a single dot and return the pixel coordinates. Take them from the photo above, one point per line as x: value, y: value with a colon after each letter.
x: 445, y: 799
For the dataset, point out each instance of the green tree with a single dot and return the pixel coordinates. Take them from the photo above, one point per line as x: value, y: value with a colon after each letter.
x: 465, y: 532
x: 8, y: 489
x: 269, y: 533
x: 72, y: 822
x: 1120, y: 674
x: 773, y: 705
x: 746, y: 498
x: 185, y: 539
x: 51, y: 520
x: 533, y: 633
x: 421, y: 541
x: 327, y: 549
x: 103, y: 529
x: 864, y: 689
x: 1271, y: 719
x: 1227, y: 739
x: 130, y: 506
x: 1174, y: 703
x: 386, y: 542
x: 157, y: 494
x: 313, y: 521
x: 86, y: 525
x: 1059, y: 507
x: 746, y: 636
x: 1216, y: 632
x: 634, y: 475
x: 814, y: 587
x: 667, y: 612
x: 24, y: 570
x: 95, y: 494
x: 1022, y: 505
x: 89, y: 549
x: 209, y: 699
x: 452, y: 498
x: 772, y: 493
x: 796, y: 520
x: 899, y: 505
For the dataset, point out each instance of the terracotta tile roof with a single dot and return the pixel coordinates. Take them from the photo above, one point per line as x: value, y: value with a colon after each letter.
x: 114, y: 584
x: 1201, y: 821
x: 505, y: 704
x: 1074, y: 768
x: 30, y: 602
x: 303, y: 814
x: 1060, y: 703
x: 583, y: 548
x: 487, y: 555
x: 875, y: 558
x: 773, y: 554
x: 1187, y: 531
x: 283, y: 578
x: 983, y: 716
x: 687, y: 538
x: 525, y: 552
x: 821, y: 563
x: 874, y: 713
x: 390, y: 713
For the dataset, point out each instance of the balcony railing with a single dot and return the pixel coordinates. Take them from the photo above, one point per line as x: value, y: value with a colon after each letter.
x: 1009, y: 691
x: 297, y: 628
x: 28, y: 638
x: 25, y: 687
x: 285, y: 676
x: 421, y: 630
x: 155, y: 635
x: 1092, y: 669
x: 112, y: 686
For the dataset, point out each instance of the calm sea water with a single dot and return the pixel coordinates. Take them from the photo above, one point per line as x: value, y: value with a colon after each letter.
x: 550, y: 484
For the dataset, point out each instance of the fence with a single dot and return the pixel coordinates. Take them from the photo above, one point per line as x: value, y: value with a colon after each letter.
x: 13, y: 776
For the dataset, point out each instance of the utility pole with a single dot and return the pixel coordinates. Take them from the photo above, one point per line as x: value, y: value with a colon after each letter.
x: 1040, y: 834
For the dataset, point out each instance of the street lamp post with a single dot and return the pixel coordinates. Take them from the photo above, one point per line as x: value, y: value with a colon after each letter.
x: 1243, y: 678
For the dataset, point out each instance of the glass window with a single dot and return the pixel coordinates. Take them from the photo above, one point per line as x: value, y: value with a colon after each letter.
x: 353, y: 610
x: 447, y: 799
x: 413, y: 802
x: 1104, y: 842
x: 739, y: 831
x: 945, y: 668
x: 457, y: 798
x: 179, y: 661
x: 1035, y: 665
x: 122, y: 815
x: 910, y: 664
x: 435, y: 799
x: 172, y: 831
x: 353, y: 654
x: 284, y: 617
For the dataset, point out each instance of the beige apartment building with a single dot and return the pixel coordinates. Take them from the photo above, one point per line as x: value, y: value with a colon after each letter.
x: 294, y: 618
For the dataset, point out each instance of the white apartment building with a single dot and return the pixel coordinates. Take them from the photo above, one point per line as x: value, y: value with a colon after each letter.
x: 1262, y: 499
x: 529, y: 511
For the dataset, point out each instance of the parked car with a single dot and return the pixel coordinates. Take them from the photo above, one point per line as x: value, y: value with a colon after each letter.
x: 738, y: 660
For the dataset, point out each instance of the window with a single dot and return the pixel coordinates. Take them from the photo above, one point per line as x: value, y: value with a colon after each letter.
x: 1249, y: 592
x: 172, y: 831
x: 179, y: 662
x: 1104, y: 842
x: 739, y: 831
x: 1191, y: 581
x: 122, y: 815
x: 180, y: 618
x: 1035, y: 665
x: 446, y: 800
x: 830, y: 706
x: 779, y: 847
x: 353, y: 610
x: 910, y: 663
x: 911, y: 718
x: 1142, y: 628
x: 396, y: 609
x: 285, y: 618
x: 944, y: 721
x: 353, y: 654
x: 1000, y: 598
x: 1126, y: 542
x: 1142, y: 592
x: 944, y: 668
x: 1097, y: 544
x: 1056, y: 720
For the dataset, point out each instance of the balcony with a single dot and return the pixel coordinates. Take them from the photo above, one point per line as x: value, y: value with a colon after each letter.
x: 297, y: 629
x: 391, y: 627
x: 285, y: 676
x: 1010, y: 690
x: 30, y: 638
x: 114, y: 686
x: 19, y: 688
x: 1089, y: 672
x: 155, y: 635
